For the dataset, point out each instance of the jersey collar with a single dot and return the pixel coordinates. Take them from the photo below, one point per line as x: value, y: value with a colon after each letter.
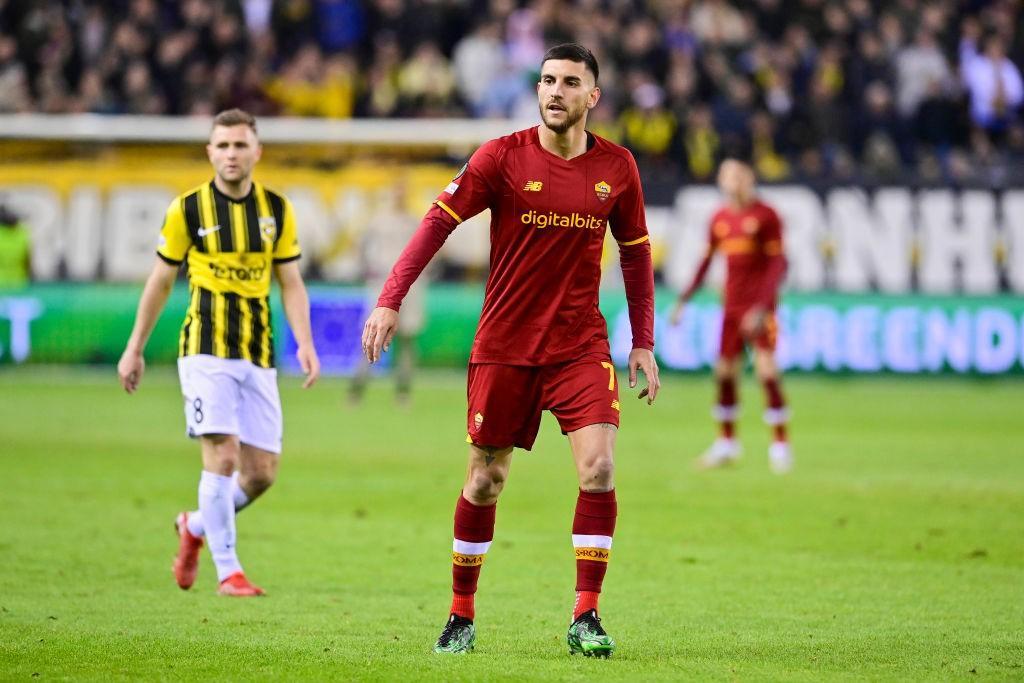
x: 216, y: 191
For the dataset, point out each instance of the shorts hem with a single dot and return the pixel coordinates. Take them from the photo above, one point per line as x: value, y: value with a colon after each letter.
x: 587, y: 422
x: 194, y: 433
x: 512, y: 444
x: 269, y: 448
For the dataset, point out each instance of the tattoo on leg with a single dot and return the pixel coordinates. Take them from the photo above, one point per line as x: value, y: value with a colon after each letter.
x: 491, y: 455
x: 607, y: 425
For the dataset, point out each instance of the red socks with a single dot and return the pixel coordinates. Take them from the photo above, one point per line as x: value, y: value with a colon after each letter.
x: 592, y: 530
x: 474, y: 530
x: 725, y: 411
x: 776, y: 414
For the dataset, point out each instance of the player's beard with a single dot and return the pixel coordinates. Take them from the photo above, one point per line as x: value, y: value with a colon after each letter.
x: 238, y: 175
x: 572, y: 117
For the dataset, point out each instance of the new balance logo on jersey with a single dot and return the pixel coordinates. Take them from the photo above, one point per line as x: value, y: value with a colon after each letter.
x: 557, y: 220
x: 533, y: 186
x: 203, y: 232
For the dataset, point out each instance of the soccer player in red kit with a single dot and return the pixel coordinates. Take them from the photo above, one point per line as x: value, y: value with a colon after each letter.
x: 749, y: 233
x: 542, y: 343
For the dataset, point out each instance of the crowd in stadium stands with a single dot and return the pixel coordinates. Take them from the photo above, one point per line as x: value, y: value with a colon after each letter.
x: 872, y: 90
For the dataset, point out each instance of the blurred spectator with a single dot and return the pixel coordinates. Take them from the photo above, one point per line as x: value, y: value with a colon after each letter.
x: 879, y: 136
x: 937, y: 121
x: 341, y: 24
x: 917, y: 67
x: 771, y: 166
x: 993, y: 83
x: 701, y: 144
x: 717, y: 22
x: 477, y: 61
x: 648, y: 128
x: 309, y: 86
x: 426, y: 83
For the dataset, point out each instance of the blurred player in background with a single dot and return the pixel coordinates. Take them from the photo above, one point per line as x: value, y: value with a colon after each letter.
x: 542, y: 343
x: 749, y: 233
x: 386, y: 234
x: 15, y: 251
x: 233, y: 231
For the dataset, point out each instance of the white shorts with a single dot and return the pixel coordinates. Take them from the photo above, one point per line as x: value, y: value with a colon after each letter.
x: 231, y: 396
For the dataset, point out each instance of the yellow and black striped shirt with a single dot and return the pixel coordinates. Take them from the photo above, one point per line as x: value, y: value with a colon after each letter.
x: 231, y: 246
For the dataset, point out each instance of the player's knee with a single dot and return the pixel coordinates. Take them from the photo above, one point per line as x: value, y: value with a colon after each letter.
x: 598, y: 472
x: 221, y: 453
x: 484, y: 485
x: 256, y: 483
x: 724, y: 370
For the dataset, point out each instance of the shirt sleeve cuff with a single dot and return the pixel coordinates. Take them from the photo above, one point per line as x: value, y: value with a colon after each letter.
x: 168, y: 259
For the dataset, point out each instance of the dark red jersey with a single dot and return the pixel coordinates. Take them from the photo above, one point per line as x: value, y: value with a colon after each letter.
x: 751, y: 240
x: 549, y: 217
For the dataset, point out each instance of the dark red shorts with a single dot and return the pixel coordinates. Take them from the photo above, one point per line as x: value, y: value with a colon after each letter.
x: 733, y: 340
x: 506, y: 401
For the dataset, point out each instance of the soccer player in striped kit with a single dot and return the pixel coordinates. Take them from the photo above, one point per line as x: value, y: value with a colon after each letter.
x: 542, y: 343
x: 749, y: 233
x: 233, y: 232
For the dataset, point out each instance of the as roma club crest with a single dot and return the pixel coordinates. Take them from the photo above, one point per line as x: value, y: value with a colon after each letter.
x: 603, y: 190
x: 478, y: 420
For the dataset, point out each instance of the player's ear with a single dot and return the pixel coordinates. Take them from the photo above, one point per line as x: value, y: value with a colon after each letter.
x: 259, y: 150
x: 209, y: 152
x: 595, y: 95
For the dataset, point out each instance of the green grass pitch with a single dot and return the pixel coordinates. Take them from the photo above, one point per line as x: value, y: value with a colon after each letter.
x: 895, y: 550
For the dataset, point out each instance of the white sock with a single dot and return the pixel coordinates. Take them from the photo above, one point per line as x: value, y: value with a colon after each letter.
x: 218, y: 516
x: 195, y: 519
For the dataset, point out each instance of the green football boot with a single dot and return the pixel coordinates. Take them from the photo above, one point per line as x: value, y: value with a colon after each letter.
x: 587, y: 637
x: 458, y: 636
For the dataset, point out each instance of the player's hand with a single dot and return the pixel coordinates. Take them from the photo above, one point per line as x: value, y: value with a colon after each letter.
x: 310, y: 364
x: 753, y: 322
x: 378, y: 332
x: 130, y: 369
x: 676, y: 315
x: 644, y: 360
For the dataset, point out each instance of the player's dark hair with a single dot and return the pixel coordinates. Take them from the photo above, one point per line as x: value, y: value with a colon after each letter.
x: 235, y: 117
x: 738, y: 149
x: 574, y: 52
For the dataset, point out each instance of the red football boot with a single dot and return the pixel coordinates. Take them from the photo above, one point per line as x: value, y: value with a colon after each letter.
x: 186, y: 562
x: 238, y: 586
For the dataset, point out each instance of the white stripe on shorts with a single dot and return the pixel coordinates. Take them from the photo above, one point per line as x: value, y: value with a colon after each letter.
x: 584, y: 541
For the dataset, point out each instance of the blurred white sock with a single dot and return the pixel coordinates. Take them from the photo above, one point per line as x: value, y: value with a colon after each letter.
x: 217, y: 509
